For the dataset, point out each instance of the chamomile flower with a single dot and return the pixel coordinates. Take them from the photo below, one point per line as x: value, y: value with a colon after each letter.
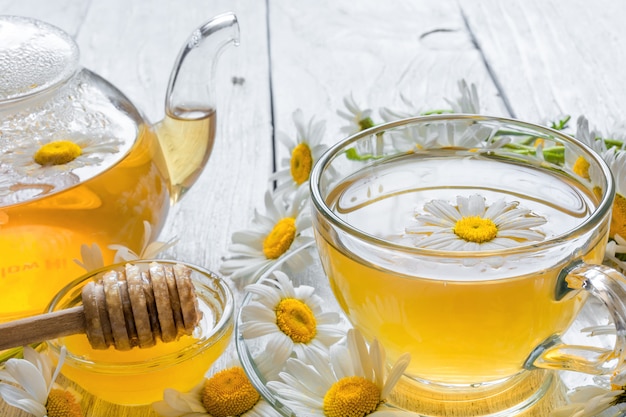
x: 357, y: 118
x: 468, y: 102
x: 615, y: 248
x: 271, y: 360
x: 589, y: 137
x: 409, y: 137
x: 349, y: 381
x: 92, y: 258
x: 595, y: 401
x: 576, y: 162
x: 389, y: 115
x: 472, y: 225
x: 291, y: 315
x: 227, y: 393
x: 466, y: 134
x: 64, y: 154
x: 303, y: 152
x: 274, y: 235
x: 617, y: 163
x: 30, y: 386
x: 150, y: 250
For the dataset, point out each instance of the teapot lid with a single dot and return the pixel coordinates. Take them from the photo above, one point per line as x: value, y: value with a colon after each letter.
x: 33, y: 57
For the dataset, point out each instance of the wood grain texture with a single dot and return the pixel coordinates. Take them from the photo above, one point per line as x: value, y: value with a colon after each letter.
x: 322, y: 51
x: 544, y: 57
x: 37, y: 329
x: 554, y: 57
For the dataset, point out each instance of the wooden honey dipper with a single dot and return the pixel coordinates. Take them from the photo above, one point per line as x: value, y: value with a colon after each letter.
x: 125, y: 308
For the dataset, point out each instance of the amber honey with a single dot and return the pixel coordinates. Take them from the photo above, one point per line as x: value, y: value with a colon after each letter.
x: 139, y: 376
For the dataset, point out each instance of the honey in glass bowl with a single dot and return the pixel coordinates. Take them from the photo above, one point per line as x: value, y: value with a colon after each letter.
x: 139, y: 376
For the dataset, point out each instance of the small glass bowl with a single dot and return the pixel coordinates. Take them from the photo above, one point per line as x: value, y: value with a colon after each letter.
x: 139, y: 376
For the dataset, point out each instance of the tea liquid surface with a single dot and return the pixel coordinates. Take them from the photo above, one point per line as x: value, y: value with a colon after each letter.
x: 463, y: 320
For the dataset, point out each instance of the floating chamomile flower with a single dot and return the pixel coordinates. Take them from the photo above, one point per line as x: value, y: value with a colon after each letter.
x: 468, y: 102
x: 227, y: 393
x: 348, y: 381
x: 30, y: 386
x: 274, y: 235
x: 303, y: 152
x: 472, y: 225
x: 61, y: 154
x: 293, y: 315
x: 358, y: 119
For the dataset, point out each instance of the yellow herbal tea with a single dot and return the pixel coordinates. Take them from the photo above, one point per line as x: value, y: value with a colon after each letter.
x: 465, y: 318
x: 41, y: 237
x: 91, y: 177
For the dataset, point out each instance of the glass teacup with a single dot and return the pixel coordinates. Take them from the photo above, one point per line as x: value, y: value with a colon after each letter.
x: 470, y: 242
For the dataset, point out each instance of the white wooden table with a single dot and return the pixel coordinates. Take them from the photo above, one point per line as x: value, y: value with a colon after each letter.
x: 533, y: 60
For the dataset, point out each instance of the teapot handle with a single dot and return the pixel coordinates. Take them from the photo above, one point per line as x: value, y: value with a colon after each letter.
x: 188, y: 92
x: 609, y: 286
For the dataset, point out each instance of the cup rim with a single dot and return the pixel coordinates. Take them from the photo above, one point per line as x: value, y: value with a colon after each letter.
x: 329, y: 155
x: 219, y: 330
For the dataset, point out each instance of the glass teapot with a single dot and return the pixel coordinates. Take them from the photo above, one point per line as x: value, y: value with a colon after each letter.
x: 80, y: 165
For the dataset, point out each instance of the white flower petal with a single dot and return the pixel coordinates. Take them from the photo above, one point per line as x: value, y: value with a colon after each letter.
x: 28, y: 376
x: 18, y: 398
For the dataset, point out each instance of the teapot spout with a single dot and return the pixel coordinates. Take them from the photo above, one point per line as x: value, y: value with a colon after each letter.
x: 192, y: 81
x: 187, y: 132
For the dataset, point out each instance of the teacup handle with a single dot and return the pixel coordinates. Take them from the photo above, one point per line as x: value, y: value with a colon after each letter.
x: 609, y: 286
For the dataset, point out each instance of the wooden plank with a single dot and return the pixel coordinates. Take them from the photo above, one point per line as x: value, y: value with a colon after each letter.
x: 69, y: 15
x: 322, y: 51
x: 554, y: 57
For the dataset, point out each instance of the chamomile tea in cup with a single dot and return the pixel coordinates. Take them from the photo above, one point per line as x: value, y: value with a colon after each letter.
x: 470, y: 242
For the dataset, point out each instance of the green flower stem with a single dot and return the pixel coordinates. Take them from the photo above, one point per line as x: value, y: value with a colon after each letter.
x: 554, y: 154
x: 613, y: 143
x: 436, y: 111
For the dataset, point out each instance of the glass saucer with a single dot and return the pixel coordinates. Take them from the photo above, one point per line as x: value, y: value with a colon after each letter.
x: 551, y: 387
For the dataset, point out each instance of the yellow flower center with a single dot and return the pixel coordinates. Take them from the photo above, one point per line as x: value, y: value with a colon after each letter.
x: 597, y: 191
x: 59, y: 152
x: 279, y: 240
x: 301, y: 163
x: 475, y: 229
x: 296, y: 320
x: 618, y: 217
x: 229, y: 393
x: 581, y: 167
x: 62, y: 403
x: 352, y: 396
